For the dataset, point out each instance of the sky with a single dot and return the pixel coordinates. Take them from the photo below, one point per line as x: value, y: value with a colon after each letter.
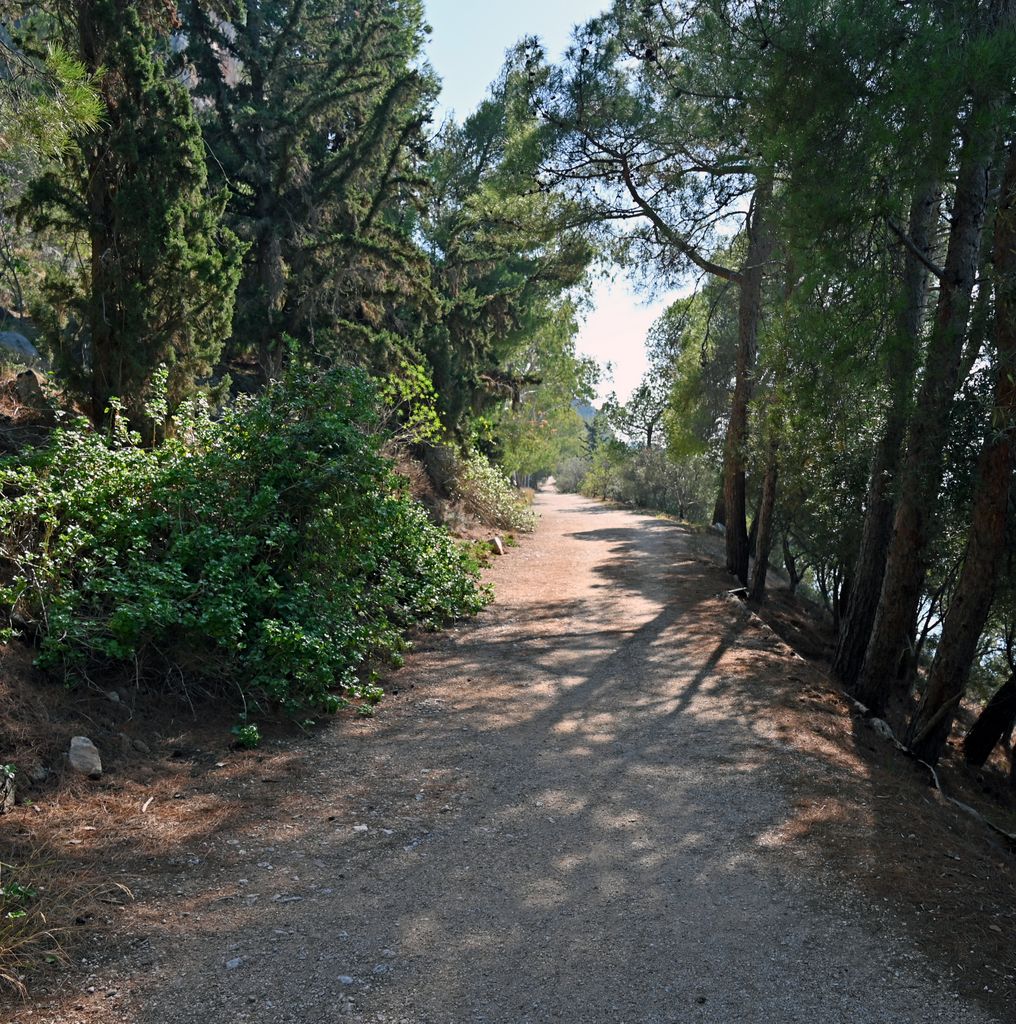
x: 467, y: 48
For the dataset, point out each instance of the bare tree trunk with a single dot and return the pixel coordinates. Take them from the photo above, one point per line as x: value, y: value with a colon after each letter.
x: 968, y: 610
x: 855, y: 627
x: 878, y: 682
x: 720, y: 510
x: 844, y: 595
x: 764, y: 541
x: 993, y: 724
x: 790, y: 563
x: 760, y: 248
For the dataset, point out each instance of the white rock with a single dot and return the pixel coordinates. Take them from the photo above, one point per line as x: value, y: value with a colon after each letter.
x: 84, y: 757
x: 497, y: 545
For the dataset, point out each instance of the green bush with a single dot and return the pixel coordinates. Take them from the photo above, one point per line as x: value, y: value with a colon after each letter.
x: 267, y: 553
x: 570, y: 475
x: 488, y: 494
x: 650, y: 478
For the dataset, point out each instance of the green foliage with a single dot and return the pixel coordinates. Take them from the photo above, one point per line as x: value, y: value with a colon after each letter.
x: 505, y: 256
x: 649, y: 478
x: 314, y: 114
x: 539, y: 427
x: 267, y: 553
x: 486, y: 493
x: 44, y: 102
x: 248, y: 735
x: 15, y: 899
x: 570, y: 474
x: 409, y: 402
x: 161, y: 270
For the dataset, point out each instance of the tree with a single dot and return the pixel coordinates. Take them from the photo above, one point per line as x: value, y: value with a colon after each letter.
x: 162, y: 271
x: 968, y: 610
x: 313, y: 112
x: 654, y: 132
x: 640, y: 417
x: 46, y: 99
x: 503, y: 255
x: 537, y: 428
x: 881, y: 680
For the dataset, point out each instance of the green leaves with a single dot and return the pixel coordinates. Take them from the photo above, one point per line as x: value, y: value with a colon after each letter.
x: 266, y: 553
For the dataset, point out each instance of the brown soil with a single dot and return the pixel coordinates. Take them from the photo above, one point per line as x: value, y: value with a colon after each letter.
x: 617, y: 795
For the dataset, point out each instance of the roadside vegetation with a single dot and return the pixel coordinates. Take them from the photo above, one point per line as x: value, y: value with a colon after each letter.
x: 282, y: 351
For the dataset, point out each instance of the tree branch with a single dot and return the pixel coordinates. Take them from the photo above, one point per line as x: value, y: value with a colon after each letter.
x: 914, y: 249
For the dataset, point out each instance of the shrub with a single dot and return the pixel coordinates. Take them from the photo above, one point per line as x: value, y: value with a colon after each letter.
x: 268, y: 553
x: 570, y: 475
x: 488, y: 494
x: 650, y: 478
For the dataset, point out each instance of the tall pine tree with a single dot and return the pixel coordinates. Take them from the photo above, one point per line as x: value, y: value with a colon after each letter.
x: 162, y: 270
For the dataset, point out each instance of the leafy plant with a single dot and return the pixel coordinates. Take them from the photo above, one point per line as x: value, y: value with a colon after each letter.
x: 247, y: 736
x: 268, y: 553
x: 488, y: 494
x: 26, y: 936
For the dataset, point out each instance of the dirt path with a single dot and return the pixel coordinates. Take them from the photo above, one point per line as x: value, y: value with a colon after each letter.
x: 575, y: 809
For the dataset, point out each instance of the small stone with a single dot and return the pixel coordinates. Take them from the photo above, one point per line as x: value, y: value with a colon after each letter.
x: 38, y: 773
x: 381, y: 969
x: 84, y: 757
x: 360, y: 828
x: 345, y: 979
x: 497, y: 545
x: 231, y: 965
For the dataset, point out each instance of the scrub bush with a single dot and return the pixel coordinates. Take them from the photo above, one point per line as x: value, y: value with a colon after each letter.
x: 267, y: 553
x: 488, y: 494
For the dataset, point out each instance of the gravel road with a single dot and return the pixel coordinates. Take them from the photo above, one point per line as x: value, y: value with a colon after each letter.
x: 570, y: 812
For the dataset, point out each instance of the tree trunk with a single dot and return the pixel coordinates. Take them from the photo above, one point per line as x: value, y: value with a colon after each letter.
x: 753, y: 529
x: 764, y: 519
x: 790, y: 563
x: 855, y: 627
x: 749, y: 313
x: 878, y: 683
x: 720, y: 510
x: 968, y: 610
x: 993, y: 724
x: 844, y: 595
x: 104, y: 326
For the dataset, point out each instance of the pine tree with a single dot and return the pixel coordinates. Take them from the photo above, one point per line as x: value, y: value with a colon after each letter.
x: 162, y: 270
x: 314, y: 112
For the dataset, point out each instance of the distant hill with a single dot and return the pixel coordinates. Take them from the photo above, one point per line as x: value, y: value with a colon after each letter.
x: 586, y: 411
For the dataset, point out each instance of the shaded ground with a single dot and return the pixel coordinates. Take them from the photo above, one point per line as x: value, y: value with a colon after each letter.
x: 615, y: 797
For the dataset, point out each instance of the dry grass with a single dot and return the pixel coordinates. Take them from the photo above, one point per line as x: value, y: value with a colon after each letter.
x: 41, y: 901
